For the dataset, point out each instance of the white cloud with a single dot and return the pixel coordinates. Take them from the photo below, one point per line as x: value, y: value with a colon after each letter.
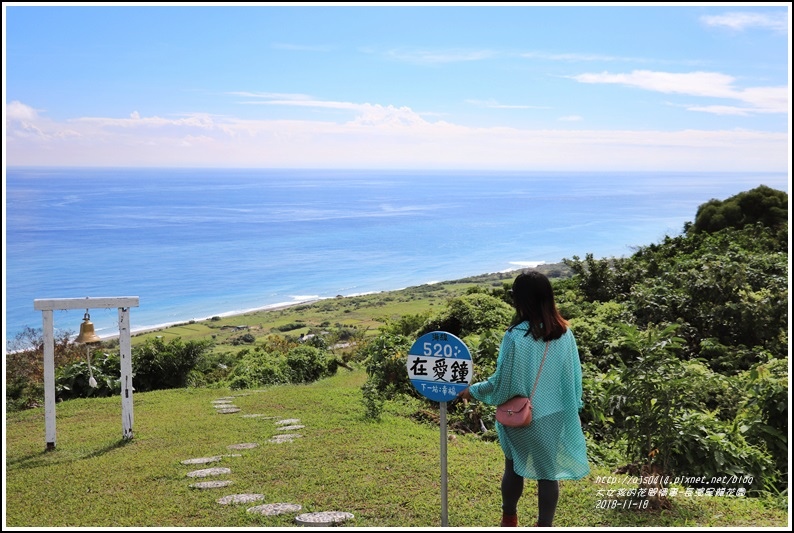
x: 19, y: 111
x: 378, y: 136
x: 695, y: 83
x: 705, y: 84
x: 200, y: 121
x: 327, y: 104
x: 366, y: 113
x: 427, y: 57
x: 572, y: 57
x: 741, y: 21
x: 273, y: 96
x: 720, y: 110
x: 378, y: 115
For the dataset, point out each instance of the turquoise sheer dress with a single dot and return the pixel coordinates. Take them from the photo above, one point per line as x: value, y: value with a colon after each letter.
x: 553, y: 445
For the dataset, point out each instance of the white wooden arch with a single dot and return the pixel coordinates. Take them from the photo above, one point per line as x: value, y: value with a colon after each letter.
x: 46, y: 307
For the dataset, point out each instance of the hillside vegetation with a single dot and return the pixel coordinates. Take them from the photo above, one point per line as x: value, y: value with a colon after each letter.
x: 684, y: 346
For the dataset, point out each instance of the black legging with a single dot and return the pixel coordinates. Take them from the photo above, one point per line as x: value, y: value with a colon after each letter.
x: 513, y: 487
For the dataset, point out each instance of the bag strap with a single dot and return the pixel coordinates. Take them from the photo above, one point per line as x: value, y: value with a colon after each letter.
x: 513, y: 365
x: 539, y: 369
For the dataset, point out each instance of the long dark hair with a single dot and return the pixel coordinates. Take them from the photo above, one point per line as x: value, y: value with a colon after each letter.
x: 533, y: 298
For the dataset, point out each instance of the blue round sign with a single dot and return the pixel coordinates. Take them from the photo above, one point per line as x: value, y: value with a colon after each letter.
x: 439, y: 366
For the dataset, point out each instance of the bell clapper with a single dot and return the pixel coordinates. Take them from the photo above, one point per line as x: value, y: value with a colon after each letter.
x: 91, y: 381
x: 87, y: 336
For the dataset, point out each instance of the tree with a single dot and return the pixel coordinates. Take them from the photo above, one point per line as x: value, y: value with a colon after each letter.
x: 762, y: 204
x: 25, y: 365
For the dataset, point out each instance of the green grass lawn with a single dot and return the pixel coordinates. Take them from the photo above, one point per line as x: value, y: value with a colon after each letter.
x: 386, y: 473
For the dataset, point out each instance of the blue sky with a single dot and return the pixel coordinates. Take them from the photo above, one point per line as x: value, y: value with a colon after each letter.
x: 457, y: 86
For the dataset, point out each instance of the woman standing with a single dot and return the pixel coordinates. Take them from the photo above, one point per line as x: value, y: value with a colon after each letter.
x: 552, y: 447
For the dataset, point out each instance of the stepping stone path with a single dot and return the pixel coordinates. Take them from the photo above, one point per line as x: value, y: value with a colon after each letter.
x: 289, y: 424
x: 290, y: 428
x: 211, y: 484
x: 225, y: 406
x: 202, y: 460
x: 240, y: 498
x: 285, y: 437
x: 206, y: 472
x: 325, y: 518
x: 243, y: 446
x: 271, y: 509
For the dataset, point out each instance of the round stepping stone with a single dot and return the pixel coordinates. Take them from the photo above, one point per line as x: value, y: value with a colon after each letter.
x: 206, y: 472
x: 290, y: 428
x: 201, y: 460
x: 210, y: 484
x: 221, y: 402
x: 257, y: 415
x: 240, y: 498
x: 325, y: 518
x: 288, y: 422
x: 233, y: 455
x: 243, y: 446
x: 271, y: 509
x: 285, y: 437
x: 228, y: 410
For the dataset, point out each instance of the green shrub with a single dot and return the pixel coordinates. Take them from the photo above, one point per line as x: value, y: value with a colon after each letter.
x: 307, y: 364
x: 406, y: 324
x: 160, y: 365
x: 596, y: 332
x: 73, y: 380
x: 762, y: 205
x: 715, y: 448
x: 764, y: 411
x: 24, y: 365
x: 291, y: 326
x: 470, y: 314
x: 245, y: 338
x: 257, y: 369
x: 385, y: 358
x: 23, y: 393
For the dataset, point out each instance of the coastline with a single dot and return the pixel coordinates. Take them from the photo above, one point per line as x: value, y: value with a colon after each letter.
x: 273, y: 307
x: 525, y: 265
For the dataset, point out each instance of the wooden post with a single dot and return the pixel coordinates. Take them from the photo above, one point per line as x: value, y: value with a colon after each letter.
x: 125, y: 347
x: 49, y: 379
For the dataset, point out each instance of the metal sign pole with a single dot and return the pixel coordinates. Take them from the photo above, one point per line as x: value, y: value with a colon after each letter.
x: 439, y: 365
x: 444, y: 518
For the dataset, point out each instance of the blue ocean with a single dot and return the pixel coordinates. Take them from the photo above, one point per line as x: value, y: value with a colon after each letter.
x: 196, y: 243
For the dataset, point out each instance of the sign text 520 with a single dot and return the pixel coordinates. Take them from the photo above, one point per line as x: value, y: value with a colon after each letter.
x: 438, y: 349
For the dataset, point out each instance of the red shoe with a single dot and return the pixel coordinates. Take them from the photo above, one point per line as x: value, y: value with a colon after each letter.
x: 509, y: 520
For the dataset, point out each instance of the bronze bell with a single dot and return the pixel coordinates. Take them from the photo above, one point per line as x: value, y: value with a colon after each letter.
x: 87, y: 335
